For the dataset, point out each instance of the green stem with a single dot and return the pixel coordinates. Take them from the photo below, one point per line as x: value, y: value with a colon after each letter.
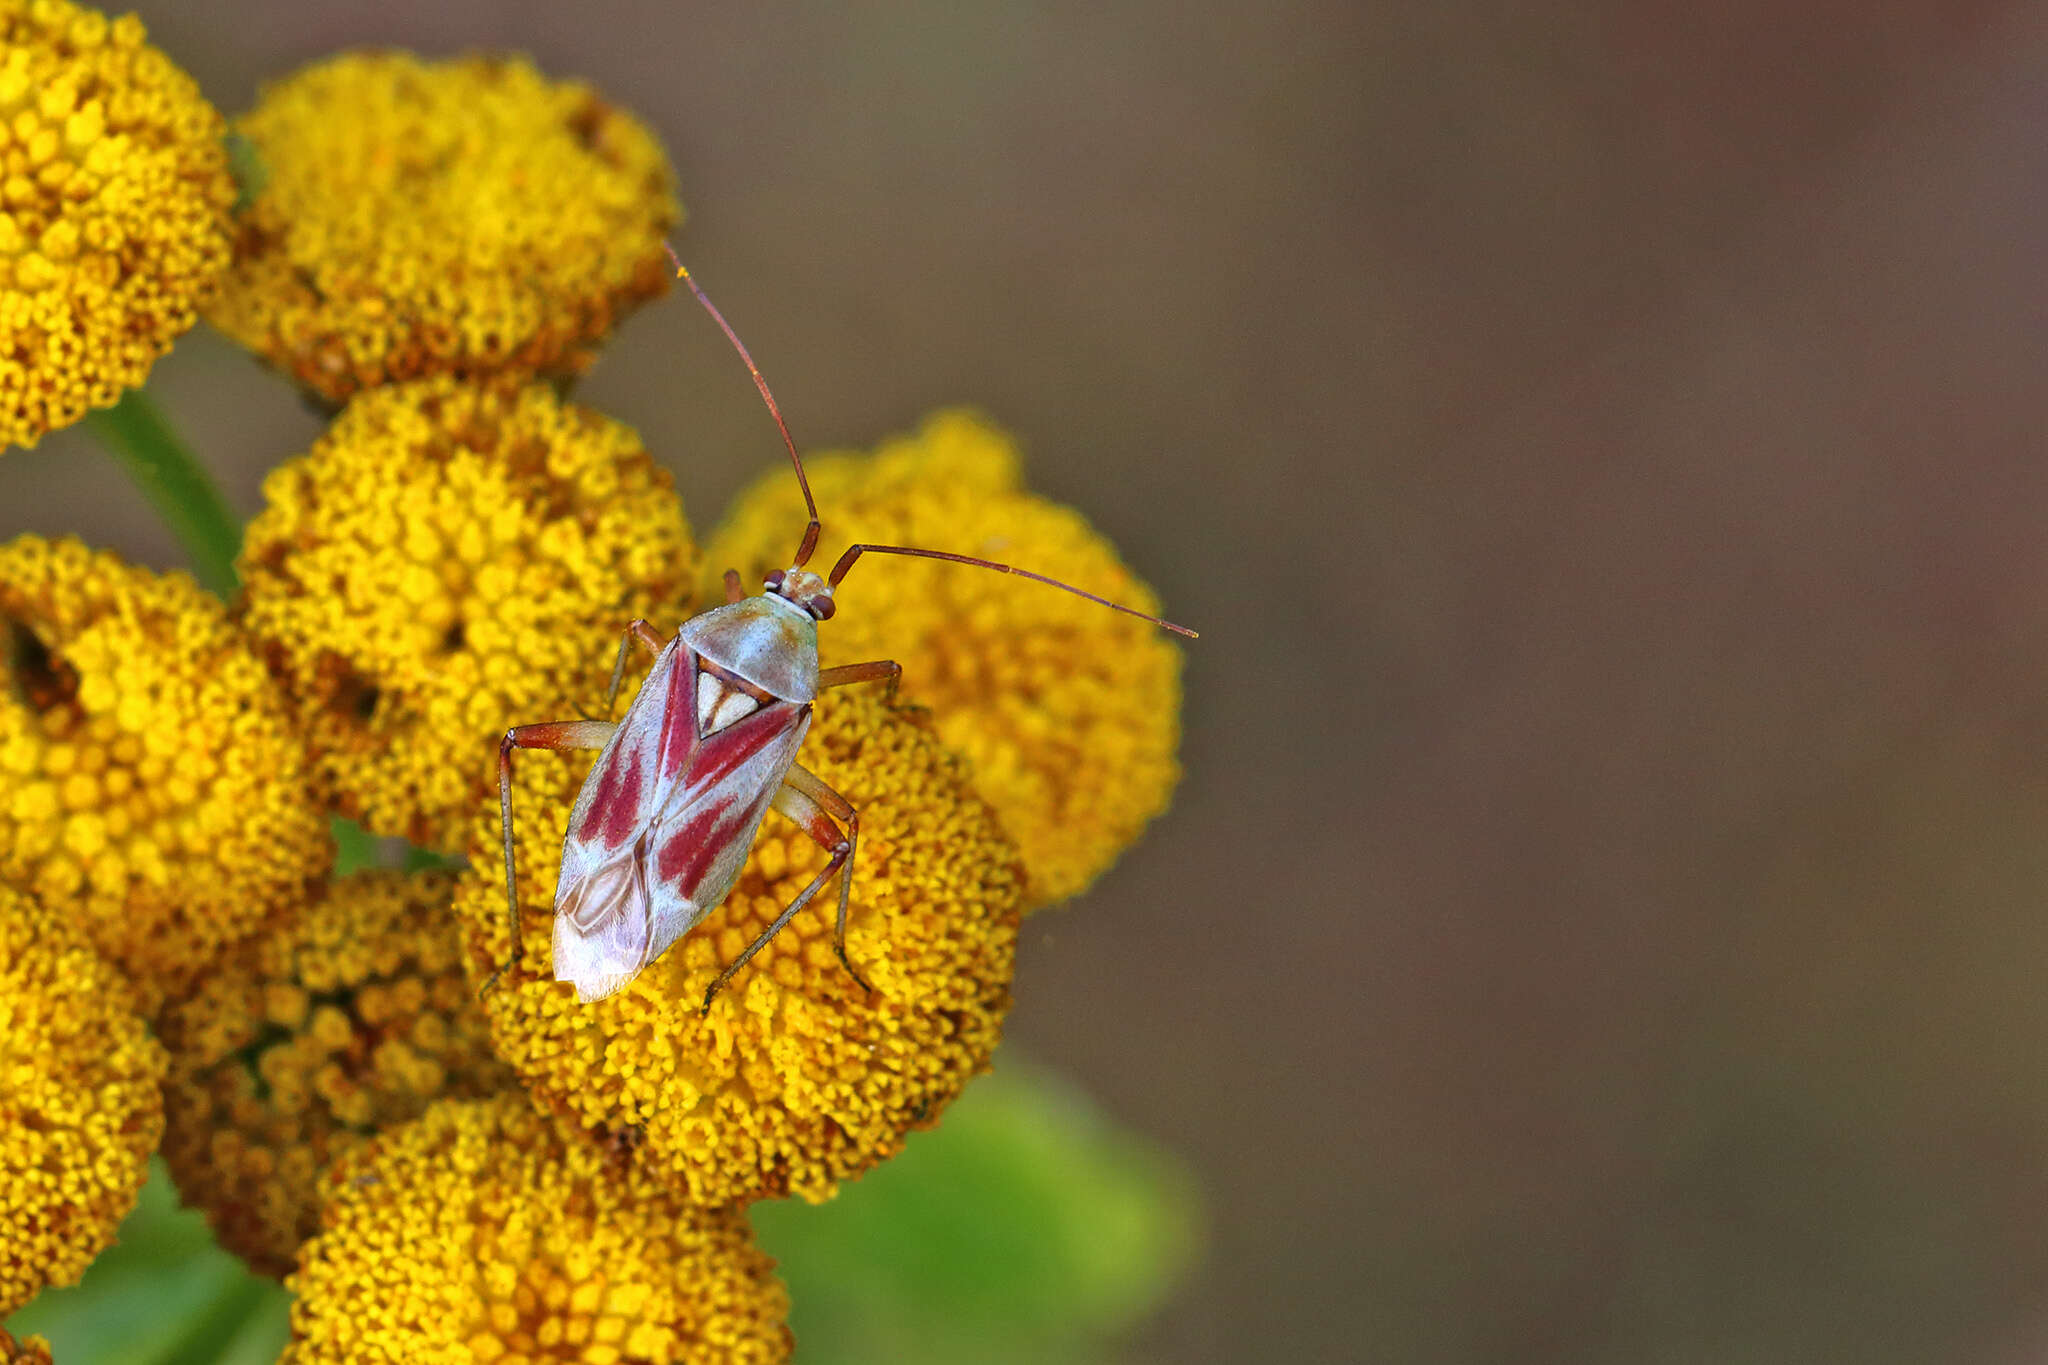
x: 136, y: 432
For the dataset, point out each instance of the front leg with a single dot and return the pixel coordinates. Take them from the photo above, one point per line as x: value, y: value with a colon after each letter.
x: 555, y: 734
x: 805, y: 799
x: 872, y: 671
x: 636, y: 629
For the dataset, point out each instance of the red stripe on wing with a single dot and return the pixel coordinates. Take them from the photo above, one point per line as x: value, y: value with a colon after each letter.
x: 725, y: 752
x: 679, y: 724
x: 687, y: 854
x: 617, y: 807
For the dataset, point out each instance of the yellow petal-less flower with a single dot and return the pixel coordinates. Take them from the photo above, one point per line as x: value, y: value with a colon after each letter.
x: 339, y: 1023
x: 1069, y: 712
x: 79, y: 1106
x: 421, y: 218
x: 23, y: 1350
x: 452, y: 558
x: 797, y: 1079
x: 486, y: 1232
x: 114, y: 197
x: 151, y: 781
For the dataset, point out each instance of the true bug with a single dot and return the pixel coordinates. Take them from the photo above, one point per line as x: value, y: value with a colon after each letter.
x: 661, y: 828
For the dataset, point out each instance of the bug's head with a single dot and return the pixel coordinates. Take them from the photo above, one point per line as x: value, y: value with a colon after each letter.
x: 804, y: 588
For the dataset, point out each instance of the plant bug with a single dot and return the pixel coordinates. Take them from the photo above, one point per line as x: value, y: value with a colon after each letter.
x: 661, y: 828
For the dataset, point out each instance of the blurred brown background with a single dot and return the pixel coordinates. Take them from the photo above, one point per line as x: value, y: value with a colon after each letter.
x: 1606, y: 914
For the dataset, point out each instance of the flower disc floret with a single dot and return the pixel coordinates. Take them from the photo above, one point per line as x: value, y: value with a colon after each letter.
x: 151, y: 780
x: 418, y: 218
x: 79, y: 1107
x: 337, y: 1024
x: 23, y: 1350
x: 450, y: 559
x: 798, y: 1078
x: 1069, y: 712
x: 486, y: 1232
x: 114, y: 198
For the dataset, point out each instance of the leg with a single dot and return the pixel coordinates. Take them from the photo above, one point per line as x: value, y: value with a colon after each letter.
x: 860, y: 673
x: 636, y: 629
x: 814, y: 806
x: 733, y: 591
x: 559, y: 734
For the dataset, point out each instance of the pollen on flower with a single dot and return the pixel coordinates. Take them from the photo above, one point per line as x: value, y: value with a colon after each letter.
x: 453, y: 558
x: 336, y: 1024
x: 151, y: 780
x: 1069, y: 713
x: 797, y: 1079
x: 79, y: 1106
x: 418, y: 218
x: 114, y: 196
x: 485, y: 1231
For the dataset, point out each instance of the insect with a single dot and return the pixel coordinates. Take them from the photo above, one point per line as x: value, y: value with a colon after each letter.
x: 662, y: 825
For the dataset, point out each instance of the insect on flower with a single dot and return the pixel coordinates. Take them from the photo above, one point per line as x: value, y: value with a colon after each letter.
x: 660, y: 831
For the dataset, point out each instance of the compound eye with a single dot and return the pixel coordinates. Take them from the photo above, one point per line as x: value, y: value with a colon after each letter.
x: 773, y: 582
x: 823, y: 607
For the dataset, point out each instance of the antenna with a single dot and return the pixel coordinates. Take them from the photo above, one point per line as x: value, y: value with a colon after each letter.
x: 810, y: 540
x: 854, y: 552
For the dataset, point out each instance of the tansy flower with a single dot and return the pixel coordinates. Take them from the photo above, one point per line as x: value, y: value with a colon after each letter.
x: 450, y: 559
x: 151, y: 782
x: 421, y: 218
x: 24, y: 1350
x: 340, y: 1022
x: 114, y: 195
x: 1069, y: 712
x: 798, y: 1078
x: 79, y: 1106
x: 485, y: 1232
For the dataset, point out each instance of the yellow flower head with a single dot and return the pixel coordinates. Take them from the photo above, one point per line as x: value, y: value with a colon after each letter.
x: 79, y: 1107
x: 486, y: 1232
x: 421, y: 218
x: 114, y: 197
x: 151, y: 781
x: 797, y: 1079
x: 1069, y: 712
x: 453, y: 558
x: 23, y: 1350
x: 339, y: 1023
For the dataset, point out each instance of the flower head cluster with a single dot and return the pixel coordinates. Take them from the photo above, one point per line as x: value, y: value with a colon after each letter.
x: 114, y: 197
x: 1069, y: 713
x: 450, y: 559
x: 483, y: 1231
x: 339, y: 1023
x: 420, y: 218
x: 79, y: 1106
x: 151, y: 781
x: 24, y: 1350
x: 797, y: 1079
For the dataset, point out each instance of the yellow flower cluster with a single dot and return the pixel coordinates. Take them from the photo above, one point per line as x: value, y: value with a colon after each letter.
x: 114, y: 197
x: 24, y: 1351
x: 424, y: 218
x: 1069, y: 712
x: 151, y: 781
x: 338, y: 1024
x: 79, y: 1106
x: 452, y: 558
x: 481, y: 1232
x: 797, y: 1079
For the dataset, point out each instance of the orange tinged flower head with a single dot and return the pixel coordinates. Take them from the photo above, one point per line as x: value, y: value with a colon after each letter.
x: 462, y: 217
x: 486, y: 1232
x: 797, y: 1079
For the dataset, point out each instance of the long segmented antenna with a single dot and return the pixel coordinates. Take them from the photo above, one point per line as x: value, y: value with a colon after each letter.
x: 810, y: 540
x: 854, y: 552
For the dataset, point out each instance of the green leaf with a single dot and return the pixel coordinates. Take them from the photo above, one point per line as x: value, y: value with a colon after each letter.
x: 1025, y: 1227
x: 163, y: 1294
